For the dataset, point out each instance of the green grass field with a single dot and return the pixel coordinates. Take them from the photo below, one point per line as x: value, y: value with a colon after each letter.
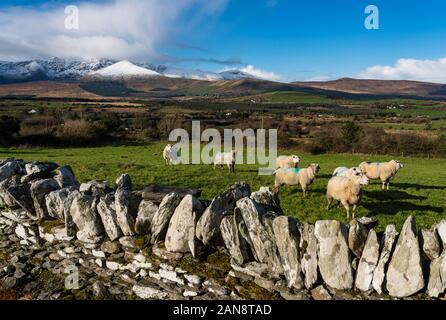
x: 419, y: 189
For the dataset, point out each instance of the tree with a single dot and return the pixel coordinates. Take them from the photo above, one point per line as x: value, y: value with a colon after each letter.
x: 350, y: 134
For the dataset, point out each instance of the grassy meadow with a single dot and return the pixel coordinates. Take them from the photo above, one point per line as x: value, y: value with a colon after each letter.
x: 419, y: 189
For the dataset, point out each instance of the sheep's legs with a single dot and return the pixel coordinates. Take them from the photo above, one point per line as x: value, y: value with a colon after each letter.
x: 330, y: 201
x: 347, y: 207
x: 354, y: 211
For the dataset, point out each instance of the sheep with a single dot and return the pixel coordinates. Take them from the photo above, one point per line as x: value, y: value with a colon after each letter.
x: 226, y: 158
x: 385, y: 171
x: 283, y: 162
x: 295, y: 176
x: 345, y: 172
x: 347, y: 190
x: 170, y: 155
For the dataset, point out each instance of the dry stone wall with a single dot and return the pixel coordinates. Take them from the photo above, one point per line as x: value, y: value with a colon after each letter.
x: 123, y: 234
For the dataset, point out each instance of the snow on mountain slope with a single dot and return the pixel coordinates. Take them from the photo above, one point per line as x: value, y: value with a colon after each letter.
x: 236, y: 75
x: 172, y: 72
x: 125, y: 69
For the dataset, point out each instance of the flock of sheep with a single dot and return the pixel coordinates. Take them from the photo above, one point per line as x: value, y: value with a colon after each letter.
x: 345, y: 186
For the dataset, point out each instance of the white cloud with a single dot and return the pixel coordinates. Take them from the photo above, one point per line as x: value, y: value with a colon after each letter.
x: 409, y: 69
x: 258, y: 73
x: 117, y: 29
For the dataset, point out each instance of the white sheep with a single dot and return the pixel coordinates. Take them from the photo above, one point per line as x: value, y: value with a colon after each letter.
x: 283, y: 162
x: 384, y: 171
x: 226, y: 159
x: 347, y: 190
x: 345, y: 172
x: 170, y: 155
x: 296, y: 176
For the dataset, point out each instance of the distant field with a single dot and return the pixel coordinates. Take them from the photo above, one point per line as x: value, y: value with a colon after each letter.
x: 419, y: 189
x: 298, y: 97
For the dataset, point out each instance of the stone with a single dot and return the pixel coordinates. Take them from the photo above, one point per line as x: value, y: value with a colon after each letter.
x: 99, y: 290
x: 308, y: 248
x: 181, y: 230
x: 437, y: 277
x: 146, y: 212
x: 405, y: 274
x: 161, y: 219
x: 238, y: 248
x: 259, y: 226
x: 39, y: 189
x: 111, y: 247
x: 430, y: 243
x: 123, y: 198
x: 10, y: 169
x: 85, y: 216
x: 146, y: 292
x: 287, y: 237
x: 208, y: 226
x: 171, y: 276
x: 107, y: 212
x: 333, y: 254
x: 6, y: 199
x: 387, y: 245
x: 268, y: 199
x: 321, y: 294
x: 95, y: 188
x: 130, y: 244
x: 58, y: 203
x: 20, y: 194
x: 441, y: 231
x: 160, y: 251
x: 214, y: 287
x: 113, y: 265
x: 188, y: 294
x: 368, y: 263
x: 193, y: 280
x: 64, y: 176
x: 357, y: 237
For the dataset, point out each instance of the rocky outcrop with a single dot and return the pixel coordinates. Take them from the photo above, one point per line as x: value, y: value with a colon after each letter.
x: 333, y: 254
x: 405, y: 275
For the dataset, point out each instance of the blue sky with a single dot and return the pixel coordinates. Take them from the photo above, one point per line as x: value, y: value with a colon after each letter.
x: 291, y: 39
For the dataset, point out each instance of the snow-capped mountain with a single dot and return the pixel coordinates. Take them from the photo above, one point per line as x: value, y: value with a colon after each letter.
x: 75, y: 69
x: 124, y: 69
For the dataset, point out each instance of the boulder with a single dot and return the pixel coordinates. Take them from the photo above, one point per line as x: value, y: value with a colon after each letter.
x: 39, y: 189
x: 441, y: 230
x: 85, y: 216
x: 368, y: 263
x: 181, y: 230
x: 237, y: 246
x: 40, y: 167
x: 357, y: 237
x: 6, y: 199
x: 64, y: 176
x: 387, y: 245
x: 146, y: 212
x: 161, y: 219
x: 430, y: 243
x: 21, y: 195
x: 208, y: 226
x: 333, y: 254
x: 437, y: 277
x: 308, y: 249
x: 107, y: 212
x: 9, y: 169
x: 123, y: 199
x: 260, y: 230
x: 405, y: 274
x: 95, y: 188
x: 58, y: 202
x: 287, y: 237
x: 268, y: 199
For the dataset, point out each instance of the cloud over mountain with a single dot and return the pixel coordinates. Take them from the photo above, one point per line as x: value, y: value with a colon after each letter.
x: 115, y: 29
x: 409, y: 69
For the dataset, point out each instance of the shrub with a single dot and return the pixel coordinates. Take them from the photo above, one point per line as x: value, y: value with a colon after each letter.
x: 9, y: 127
x: 79, y: 132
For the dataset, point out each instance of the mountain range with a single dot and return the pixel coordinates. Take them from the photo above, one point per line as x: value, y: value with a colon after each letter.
x: 76, y: 69
x: 98, y: 78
